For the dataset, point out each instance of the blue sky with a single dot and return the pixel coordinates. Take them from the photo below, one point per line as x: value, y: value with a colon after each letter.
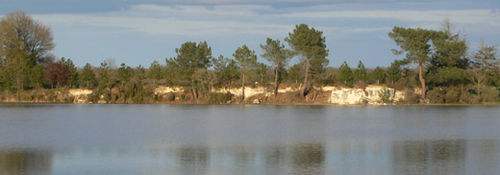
x: 141, y: 31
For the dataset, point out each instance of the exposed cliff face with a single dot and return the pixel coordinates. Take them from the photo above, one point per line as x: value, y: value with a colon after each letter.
x: 249, y: 91
x: 161, y: 90
x: 369, y: 95
x: 80, y: 95
x: 335, y: 95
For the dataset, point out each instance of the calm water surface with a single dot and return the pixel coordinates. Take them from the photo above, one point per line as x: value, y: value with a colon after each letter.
x: 197, y: 139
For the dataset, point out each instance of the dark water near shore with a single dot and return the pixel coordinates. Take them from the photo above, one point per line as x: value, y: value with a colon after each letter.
x: 198, y: 139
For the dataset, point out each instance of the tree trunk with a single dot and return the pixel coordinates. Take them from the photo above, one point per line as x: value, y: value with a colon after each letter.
x: 243, y: 87
x: 421, y: 78
x: 276, y: 85
x: 306, y: 75
x: 195, y: 95
x: 19, y: 87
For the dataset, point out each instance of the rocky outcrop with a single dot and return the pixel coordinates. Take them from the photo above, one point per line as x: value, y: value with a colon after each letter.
x: 369, y: 95
x: 80, y: 95
x: 345, y: 96
x: 161, y: 90
x: 249, y: 91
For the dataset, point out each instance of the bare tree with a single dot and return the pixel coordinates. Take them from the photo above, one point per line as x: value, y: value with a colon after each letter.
x: 24, y: 43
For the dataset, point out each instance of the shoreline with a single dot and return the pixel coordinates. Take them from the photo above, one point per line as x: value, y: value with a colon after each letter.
x: 250, y: 104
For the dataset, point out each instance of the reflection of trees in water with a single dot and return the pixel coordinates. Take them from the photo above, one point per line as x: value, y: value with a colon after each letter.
x: 244, y: 159
x: 429, y: 157
x: 308, y: 158
x: 483, y: 157
x: 25, y: 162
x: 274, y: 159
x: 304, y: 159
x: 193, y: 160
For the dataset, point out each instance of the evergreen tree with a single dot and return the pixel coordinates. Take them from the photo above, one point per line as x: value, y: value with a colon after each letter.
x: 73, y: 78
x: 360, y: 74
x: 247, y: 61
x: 190, y: 57
x: 416, y: 43
x: 155, y: 71
x: 278, y: 56
x: 378, y: 75
x: 226, y: 70
x: 87, y: 77
x: 345, y: 75
x: 310, y: 44
x: 394, y: 72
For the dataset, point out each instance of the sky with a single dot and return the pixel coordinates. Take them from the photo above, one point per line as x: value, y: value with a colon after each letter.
x: 138, y: 32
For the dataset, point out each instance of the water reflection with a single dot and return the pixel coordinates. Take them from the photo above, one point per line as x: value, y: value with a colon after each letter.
x: 441, y: 157
x: 193, y: 160
x: 429, y: 157
x: 25, y: 162
x: 308, y: 158
x: 169, y: 139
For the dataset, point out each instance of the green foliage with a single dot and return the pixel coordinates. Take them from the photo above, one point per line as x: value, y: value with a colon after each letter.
x: 451, y: 94
x: 155, y: 71
x: 245, y: 58
x: 37, y: 78
x: 345, y: 75
x: 328, y: 77
x: 490, y: 94
x: 360, y: 74
x: 87, y: 77
x: 219, y: 98
x: 171, y: 97
x: 450, y: 49
x: 105, y: 78
x: 450, y: 76
x: 73, y: 78
x: 125, y: 73
x: 247, y: 61
x: 226, y: 71
x: 190, y: 57
x: 385, y: 96
x: 295, y: 73
x: 378, y: 75
x: 278, y: 56
x: 310, y: 44
x: 416, y: 43
x: 276, y: 53
x: 394, y: 72
x: 24, y: 44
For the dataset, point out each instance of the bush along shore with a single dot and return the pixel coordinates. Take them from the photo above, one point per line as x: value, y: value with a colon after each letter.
x: 436, y: 67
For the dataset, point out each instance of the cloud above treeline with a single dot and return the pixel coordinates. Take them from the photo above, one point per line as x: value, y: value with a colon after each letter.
x: 217, y: 20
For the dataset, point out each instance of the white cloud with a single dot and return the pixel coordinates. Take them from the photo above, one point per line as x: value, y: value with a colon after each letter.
x: 458, y: 16
x: 223, y: 20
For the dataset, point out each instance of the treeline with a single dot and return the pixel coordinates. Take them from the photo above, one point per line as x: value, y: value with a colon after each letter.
x: 447, y: 72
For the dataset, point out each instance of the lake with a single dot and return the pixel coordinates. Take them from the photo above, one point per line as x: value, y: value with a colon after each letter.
x: 71, y: 139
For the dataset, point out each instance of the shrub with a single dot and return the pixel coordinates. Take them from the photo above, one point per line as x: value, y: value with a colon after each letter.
x: 411, y: 97
x: 489, y: 94
x: 452, y: 95
x: 385, y: 96
x: 436, y: 95
x: 219, y: 98
x: 171, y: 97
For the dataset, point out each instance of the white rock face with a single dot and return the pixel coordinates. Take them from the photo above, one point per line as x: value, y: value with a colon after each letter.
x: 343, y: 96
x: 79, y: 92
x: 80, y: 95
x: 160, y: 90
x: 249, y: 91
x: 369, y: 95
